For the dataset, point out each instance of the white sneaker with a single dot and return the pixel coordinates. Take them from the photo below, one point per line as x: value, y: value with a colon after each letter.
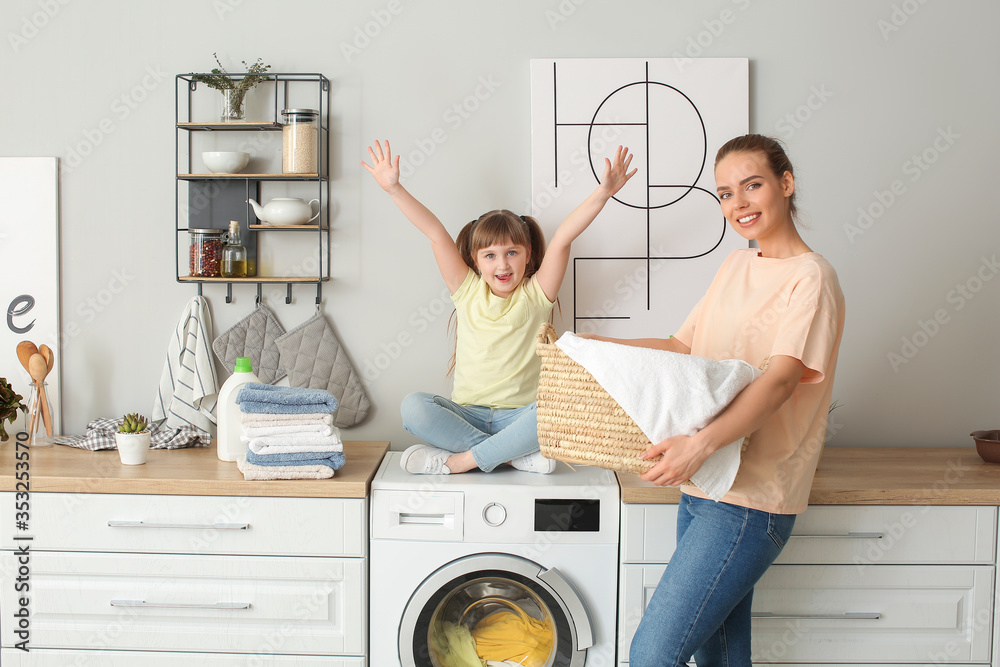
x: 425, y: 460
x: 534, y: 463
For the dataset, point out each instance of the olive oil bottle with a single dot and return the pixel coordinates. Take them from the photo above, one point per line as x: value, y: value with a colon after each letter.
x: 234, y: 254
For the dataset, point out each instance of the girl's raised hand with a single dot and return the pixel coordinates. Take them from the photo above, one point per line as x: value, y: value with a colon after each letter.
x: 616, y: 174
x: 384, y: 168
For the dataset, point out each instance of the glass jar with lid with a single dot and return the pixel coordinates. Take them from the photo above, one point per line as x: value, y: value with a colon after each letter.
x: 299, y: 141
x: 205, y: 252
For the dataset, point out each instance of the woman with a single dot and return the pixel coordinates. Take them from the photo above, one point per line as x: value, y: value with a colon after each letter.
x: 781, y: 302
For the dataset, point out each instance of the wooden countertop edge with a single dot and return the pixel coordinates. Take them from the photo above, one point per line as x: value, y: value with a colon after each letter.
x: 194, y: 472
x: 876, y: 476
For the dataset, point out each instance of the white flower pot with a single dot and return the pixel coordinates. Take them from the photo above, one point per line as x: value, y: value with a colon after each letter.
x: 132, y: 447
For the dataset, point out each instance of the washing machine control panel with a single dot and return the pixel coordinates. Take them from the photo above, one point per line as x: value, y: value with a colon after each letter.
x: 494, y: 514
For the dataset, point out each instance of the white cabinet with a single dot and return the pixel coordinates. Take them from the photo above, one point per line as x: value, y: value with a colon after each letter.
x: 212, y: 580
x: 854, y: 585
x: 63, y: 658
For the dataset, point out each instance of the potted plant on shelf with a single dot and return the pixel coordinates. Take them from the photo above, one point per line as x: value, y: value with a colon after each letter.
x: 132, y: 439
x: 234, y: 88
x: 10, y: 403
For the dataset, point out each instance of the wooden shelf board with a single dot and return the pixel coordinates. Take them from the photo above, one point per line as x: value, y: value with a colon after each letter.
x: 255, y: 279
x: 289, y: 227
x: 260, y: 177
x: 242, y: 125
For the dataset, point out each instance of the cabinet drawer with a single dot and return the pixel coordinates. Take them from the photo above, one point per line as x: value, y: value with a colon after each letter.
x: 193, y: 524
x: 66, y: 658
x: 915, y: 614
x: 891, y: 534
x: 193, y: 603
x: 885, y: 613
x: 847, y: 535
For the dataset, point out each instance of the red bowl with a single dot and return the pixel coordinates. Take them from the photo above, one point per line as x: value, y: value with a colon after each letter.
x: 987, y: 445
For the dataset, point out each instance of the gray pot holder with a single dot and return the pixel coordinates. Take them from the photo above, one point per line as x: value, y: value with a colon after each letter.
x: 314, y: 358
x: 254, y: 336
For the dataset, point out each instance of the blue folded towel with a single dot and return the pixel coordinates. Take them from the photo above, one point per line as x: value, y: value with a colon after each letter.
x: 268, y: 399
x: 333, y: 460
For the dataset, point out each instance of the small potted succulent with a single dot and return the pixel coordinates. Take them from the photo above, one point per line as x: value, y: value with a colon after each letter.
x: 234, y: 88
x: 10, y: 403
x: 132, y: 439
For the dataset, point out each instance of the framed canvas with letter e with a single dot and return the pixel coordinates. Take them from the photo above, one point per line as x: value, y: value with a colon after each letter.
x: 29, y: 279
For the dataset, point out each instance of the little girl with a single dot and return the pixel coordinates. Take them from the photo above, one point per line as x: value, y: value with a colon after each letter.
x: 503, y: 284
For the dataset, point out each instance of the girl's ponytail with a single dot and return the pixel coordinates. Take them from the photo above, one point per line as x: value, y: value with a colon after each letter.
x: 464, y: 243
x: 537, y: 238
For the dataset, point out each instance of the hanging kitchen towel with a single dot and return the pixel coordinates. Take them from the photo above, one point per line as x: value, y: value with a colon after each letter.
x: 667, y: 394
x: 189, y: 386
x: 313, y: 357
x: 253, y: 337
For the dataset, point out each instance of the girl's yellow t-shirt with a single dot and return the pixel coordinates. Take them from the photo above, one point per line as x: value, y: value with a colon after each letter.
x: 757, y: 307
x: 495, y: 361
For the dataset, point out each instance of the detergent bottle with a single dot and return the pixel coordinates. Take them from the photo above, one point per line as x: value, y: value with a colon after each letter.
x: 228, y: 443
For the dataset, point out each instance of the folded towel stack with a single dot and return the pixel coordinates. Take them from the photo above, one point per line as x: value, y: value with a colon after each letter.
x: 289, y: 433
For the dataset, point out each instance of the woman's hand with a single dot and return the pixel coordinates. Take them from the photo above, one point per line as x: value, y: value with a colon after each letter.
x: 682, y: 456
x: 616, y: 174
x: 384, y: 168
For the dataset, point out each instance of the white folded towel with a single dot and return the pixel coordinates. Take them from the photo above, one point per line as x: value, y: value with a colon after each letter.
x: 252, y: 471
x: 250, y: 432
x: 667, y: 394
x: 296, y: 442
x: 321, y: 451
x: 270, y: 419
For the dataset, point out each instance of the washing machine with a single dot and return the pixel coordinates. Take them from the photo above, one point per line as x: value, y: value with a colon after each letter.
x: 508, y: 561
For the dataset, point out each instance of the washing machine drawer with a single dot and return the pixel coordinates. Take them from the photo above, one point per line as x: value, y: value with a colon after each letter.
x: 193, y: 603
x: 418, y: 515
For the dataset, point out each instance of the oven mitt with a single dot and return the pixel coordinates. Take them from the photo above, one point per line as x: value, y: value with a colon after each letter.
x: 314, y: 358
x: 254, y: 336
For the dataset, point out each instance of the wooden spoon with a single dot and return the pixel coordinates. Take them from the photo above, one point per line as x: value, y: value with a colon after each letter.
x: 38, y: 369
x: 24, y: 351
x: 50, y: 357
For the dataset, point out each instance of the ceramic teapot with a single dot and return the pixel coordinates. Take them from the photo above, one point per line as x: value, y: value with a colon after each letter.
x: 285, y: 211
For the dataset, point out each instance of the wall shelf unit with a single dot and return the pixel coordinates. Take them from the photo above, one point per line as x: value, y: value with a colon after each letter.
x: 205, y: 200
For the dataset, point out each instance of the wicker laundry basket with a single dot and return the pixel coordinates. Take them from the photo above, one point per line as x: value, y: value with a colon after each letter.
x: 578, y: 421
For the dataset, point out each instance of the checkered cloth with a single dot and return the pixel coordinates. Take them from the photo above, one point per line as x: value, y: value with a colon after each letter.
x: 101, y: 435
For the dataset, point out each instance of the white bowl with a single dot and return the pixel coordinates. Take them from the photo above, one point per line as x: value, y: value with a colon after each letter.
x: 225, y: 162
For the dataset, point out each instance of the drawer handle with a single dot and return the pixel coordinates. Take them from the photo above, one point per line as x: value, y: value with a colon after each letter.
x: 197, y: 526
x: 171, y: 605
x: 849, y: 616
x: 406, y: 518
x: 851, y: 535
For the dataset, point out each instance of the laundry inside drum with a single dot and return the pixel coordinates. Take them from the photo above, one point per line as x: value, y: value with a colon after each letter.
x: 492, y: 618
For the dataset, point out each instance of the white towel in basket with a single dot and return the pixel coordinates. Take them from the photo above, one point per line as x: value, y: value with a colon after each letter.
x: 667, y: 394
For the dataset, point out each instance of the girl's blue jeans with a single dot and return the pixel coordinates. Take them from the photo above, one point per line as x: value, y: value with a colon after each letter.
x: 493, y: 436
x: 701, y: 607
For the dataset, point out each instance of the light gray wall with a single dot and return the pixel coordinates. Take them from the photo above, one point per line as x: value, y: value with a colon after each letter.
x: 886, y: 81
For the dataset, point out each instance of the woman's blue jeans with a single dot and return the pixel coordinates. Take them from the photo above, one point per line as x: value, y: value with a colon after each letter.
x: 701, y: 606
x: 493, y: 436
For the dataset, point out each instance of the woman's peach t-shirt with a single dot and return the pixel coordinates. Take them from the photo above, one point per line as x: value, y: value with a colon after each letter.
x: 757, y: 307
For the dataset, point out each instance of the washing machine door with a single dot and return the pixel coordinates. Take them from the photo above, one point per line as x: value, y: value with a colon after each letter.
x: 504, y: 607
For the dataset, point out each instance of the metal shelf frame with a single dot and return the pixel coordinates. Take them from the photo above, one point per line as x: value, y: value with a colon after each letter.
x: 185, y: 127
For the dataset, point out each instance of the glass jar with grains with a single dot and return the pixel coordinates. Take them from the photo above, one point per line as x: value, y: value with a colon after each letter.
x: 299, y: 144
x: 205, y: 252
